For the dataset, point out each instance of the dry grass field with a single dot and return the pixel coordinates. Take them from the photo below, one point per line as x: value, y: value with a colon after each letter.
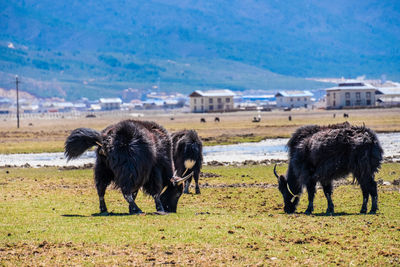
x: 48, y: 134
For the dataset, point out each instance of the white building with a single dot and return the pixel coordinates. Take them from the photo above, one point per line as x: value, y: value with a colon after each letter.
x: 110, y: 103
x: 293, y: 99
x: 350, y: 93
x: 210, y: 101
x: 388, y: 96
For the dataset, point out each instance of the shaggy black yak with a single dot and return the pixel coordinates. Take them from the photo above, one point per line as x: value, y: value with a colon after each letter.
x: 188, y: 156
x: 323, y: 154
x: 133, y: 155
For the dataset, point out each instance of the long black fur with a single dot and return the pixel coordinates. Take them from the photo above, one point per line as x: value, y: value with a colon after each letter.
x: 133, y: 155
x: 326, y: 153
x: 188, y: 146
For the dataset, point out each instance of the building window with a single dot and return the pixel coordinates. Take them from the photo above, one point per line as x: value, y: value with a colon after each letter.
x: 202, y: 101
x: 368, y: 94
x: 358, y: 95
x: 368, y: 102
x: 202, y: 108
x: 227, y: 100
x: 347, y: 102
x: 219, y: 100
x: 211, y: 107
x: 210, y: 100
x: 298, y: 99
x: 195, y: 109
x: 328, y: 94
x: 220, y: 106
x: 347, y: 95
x: 291, y: 99
x: 194, y: 100
x: 305, y: 99
x: 334, y: 95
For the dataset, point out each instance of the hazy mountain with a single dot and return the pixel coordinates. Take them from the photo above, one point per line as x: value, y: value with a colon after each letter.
x: 86, y: 48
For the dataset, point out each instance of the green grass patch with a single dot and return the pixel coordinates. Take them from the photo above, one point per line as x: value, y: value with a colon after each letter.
x: 48, y: 218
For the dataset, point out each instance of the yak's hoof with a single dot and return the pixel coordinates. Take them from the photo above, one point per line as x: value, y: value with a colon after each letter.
x: 329, y: 211
x: 363, y: 211
x: 104, y: 213
x: 186, y: 191
x: 308, y: 211
x: 198, y: 192
x: 372, y: 212
x: 136, y: 212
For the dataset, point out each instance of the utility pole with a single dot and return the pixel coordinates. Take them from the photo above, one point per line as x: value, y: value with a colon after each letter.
x: 16, y: 83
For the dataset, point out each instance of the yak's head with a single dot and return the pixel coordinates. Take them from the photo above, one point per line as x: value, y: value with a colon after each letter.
x: 290, y: 199
x: 191, y: 151
x: 170, y: 197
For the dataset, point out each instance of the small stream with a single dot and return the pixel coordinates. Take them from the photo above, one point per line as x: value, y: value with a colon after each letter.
x: 269, y: 149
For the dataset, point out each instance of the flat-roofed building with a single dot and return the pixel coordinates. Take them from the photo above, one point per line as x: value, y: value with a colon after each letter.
x: 211, y: 101
x: 388, y: 96
x: 110, y: 103
x: 293, y: 99
x: 350, y: 94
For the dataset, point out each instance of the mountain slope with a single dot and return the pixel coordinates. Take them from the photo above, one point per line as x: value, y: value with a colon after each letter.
x: 118, y: 43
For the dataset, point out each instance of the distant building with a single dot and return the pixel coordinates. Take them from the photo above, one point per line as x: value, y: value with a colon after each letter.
x: 293, y: 99
x: 130, y: 94
x: 110, y: 103
x: 211, y: 101
x: 350, y: 94
x: 388, y: 96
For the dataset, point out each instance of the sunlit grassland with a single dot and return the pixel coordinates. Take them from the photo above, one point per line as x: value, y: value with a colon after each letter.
x: 48, y: 217
x: 48, y: 135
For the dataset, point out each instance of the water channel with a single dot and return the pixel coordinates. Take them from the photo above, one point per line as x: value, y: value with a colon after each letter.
x: 265, y: 150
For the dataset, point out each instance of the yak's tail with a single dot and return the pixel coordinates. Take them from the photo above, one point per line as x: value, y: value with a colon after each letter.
x: 79, y: 141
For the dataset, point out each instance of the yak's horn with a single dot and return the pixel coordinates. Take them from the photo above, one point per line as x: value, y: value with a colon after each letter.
x: 183, y: 179
x: 276, y: 174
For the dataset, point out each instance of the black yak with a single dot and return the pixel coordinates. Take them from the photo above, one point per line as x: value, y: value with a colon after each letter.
x: 188, y: 156
x: 133, y: 155
x: 216, y: 119
x: 323, y: 154
x: 203, y: 120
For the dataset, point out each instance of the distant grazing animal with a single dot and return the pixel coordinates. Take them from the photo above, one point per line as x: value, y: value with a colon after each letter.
x: 133, y: 155
x: 345, y: 115
x: 216, y: 119
x: 203, y: 120
x: 326, y: 153
x: 290, y: 118
x: 256, y: 119
x: 334, y: 115
x: 188, y: 156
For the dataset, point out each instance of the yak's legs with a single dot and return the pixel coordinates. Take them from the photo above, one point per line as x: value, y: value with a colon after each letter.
x: 101, y: 191
x: 187, y: 184
x: 196, y: 180
x: 311, y: 193
x: 130, y: 198
x: 374, y: 196
x: 159, y: 206
x: 365, y: 192
x: 328, y: 194
x: 103, y: 178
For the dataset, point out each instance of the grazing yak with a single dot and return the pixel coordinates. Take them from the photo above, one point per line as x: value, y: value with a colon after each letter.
x: 133, y: 155
x: 323, y: 154
x: 188, y: 156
